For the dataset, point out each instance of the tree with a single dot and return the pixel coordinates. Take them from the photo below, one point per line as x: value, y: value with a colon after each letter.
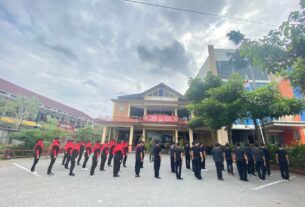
x: 236, y: 36
x: 21, y: 108
x: 89, y: 132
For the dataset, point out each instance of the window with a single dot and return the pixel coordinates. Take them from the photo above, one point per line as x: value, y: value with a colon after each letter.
x: 296, y: 135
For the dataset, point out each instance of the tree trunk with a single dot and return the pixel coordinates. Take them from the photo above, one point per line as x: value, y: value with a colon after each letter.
x: 265, y: 132
x: 212, y: 132
x: 257, y: 130
x: 229, y: 132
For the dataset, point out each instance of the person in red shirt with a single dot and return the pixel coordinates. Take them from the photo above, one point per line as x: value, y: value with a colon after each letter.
x: 37, y: 153
x: 73, y: 155
x: 65, y: 153
x: 125, y: 148
x: 104, y: 153
x: 88, y: 152
x: 81, y: 152
x: 96, y: 154
x: 112, y: 144
x: 118, y: 152
x: 70, y: 146
x: 54, y: 152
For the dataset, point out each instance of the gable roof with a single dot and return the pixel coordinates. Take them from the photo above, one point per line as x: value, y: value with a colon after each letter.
x: 160, y: 85
x: 17, y: 90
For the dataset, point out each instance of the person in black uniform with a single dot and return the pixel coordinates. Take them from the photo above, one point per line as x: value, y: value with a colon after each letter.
x: 267, y: 158
x: 74, y: 154
x: 178, y: 152
x: 228, y: 156
x: 282, y: 160
x: 250, y: 165
x: 37, y: 153
x: 143, y: 153
x: 87, y: 154
x: 96, y: 154
x: 187, y: 156
x: 125, y: 146
x: 259, y: 160
x: 70, y: 147
x: 112, y: 144
x: 139, y: 159
x: 104, y: 153
x: 118, y: 152
x: 157, y: 159
x: 197, y: 158
x: 191, y: 150
x: 54, y: 152
x: 202, y: 148
x: 241, y: 160
x: 172, y: 157
x: 81, y: 151
x: 218, y: 157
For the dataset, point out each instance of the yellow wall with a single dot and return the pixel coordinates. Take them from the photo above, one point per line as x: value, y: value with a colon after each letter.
x: 121, y: 108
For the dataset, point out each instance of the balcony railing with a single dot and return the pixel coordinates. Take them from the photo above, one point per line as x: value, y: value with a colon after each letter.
x: 150, y: 118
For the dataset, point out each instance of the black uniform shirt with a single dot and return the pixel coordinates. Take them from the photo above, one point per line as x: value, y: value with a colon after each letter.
x: 239, y: 154
x: 258, y: 154
x: 228, y: 153
x: 178, y: 152
x: 281, y: 153
x: 138, y: 153
x: 172, y: 150
x: 217, y: 155
x: 196, y: 153
x: 267, y: 154
x: 157, y: 150
x: 249, y: 153
x: 187, y: 151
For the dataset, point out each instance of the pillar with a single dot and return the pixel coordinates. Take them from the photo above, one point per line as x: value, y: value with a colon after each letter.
x: 145, y: 110
x: 109, y: 134
x: 143, y: 135
x: 130, y: 138
x: 176, y: 135
x: 222, y: 136
x: 104, y: 134
x: 191, y: 138
x: 176, y: 112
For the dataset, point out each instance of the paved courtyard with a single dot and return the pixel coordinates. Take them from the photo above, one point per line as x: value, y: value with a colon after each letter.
x: 19, y: 187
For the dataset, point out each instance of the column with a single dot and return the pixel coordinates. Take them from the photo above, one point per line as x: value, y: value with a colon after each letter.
x: 143, y: 135
x: 104, y: 134
x: 145, y: 110
x: 109, y: 134
x: 176, y: 135
x: 191, y: 136
x: 222, y: 136
x: 130, y: 138
x: 176, y: 112
x: 129, y: 107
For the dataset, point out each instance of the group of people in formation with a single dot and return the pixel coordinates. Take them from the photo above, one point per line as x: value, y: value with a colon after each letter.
x: 74, y: 151
x: 249, y: 160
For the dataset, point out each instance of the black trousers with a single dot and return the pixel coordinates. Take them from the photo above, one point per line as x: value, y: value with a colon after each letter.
x: 157, y: 163
x: 229, y: 166
x: 67, y: 161
x: 103, y: 161
x: 51, y: 164
x: 80, y: 157
x: 85, y: 160
x: 284, y: 169
x: 260, y: 169
x: 250, y: 167
x: 110, y: 159
x: 93, y: 166
x: 34, y: 163
x: 188, y: 161
x: 203, y: 164
x: 142, y: 163
x: 124, y: 161
x: 138, y: 167
x: 242, y: 169
x: 268, y: 166
x: 197, y: 168
x: 193, y: 166
x: 64, y: 159
x: 178, y: 166
x: 72, y: 159
x: 219, y: 169
x: 173, y: 168
x: 116, y: 163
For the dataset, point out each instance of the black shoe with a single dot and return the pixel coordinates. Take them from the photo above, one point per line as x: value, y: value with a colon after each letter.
x: 199, y: 178
x: 116, y: 176
x: 246, y: 180
x: 179, y: 178
x: 67, y: 168
x: 71, y: 174
x: 221, y: 179
x: 124, y: 166
x: 50, y: 173
x: 137, y: 176
x: 158, y: 177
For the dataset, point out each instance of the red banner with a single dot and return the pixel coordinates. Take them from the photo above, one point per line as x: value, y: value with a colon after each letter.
x: 160, y: 118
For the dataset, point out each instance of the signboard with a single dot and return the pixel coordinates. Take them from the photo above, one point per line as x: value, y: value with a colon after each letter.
x: 67, y: 127
x: 160, y: 118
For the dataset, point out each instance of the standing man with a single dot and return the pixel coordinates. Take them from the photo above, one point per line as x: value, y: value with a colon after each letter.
x: 218, y: 157
x: 104, y: 153
x: 139, y: 159
x: 125, y: 148
x: 259, y: 160
x: 157, y: 159
x: 178, y: 160
x: 250, y: 165
x: 282, y: 160
x: 81, y: 151
x: 143, y: 153
x: 70, y: 146
x: 187, y: 156
x: 241, y: 160
x: 54, y: 152
x: 65, y: 153
x: 228, y: 156
x: 96, y: 155
x: 87, y: 154
x: 172, y: 157
x: 74, y: 153
x: 202, y: 148
x: 112, y: 144
x: 267, y: 158
x: 118, y: 152
x: 191, y: 151
x: 37, y: 153
x: 197, y: 158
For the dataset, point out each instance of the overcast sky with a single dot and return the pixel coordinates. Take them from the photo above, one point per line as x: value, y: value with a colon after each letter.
x: 85, y: 52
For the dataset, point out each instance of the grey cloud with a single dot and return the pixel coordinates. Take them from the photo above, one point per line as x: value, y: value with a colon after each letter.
x: 171, y: 58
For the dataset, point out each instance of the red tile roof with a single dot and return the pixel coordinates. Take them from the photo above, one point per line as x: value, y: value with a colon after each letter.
x: 17, y: 90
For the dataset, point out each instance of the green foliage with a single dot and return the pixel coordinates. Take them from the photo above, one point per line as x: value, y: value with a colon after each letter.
x: 88, y: 132
x: 236, y: 36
